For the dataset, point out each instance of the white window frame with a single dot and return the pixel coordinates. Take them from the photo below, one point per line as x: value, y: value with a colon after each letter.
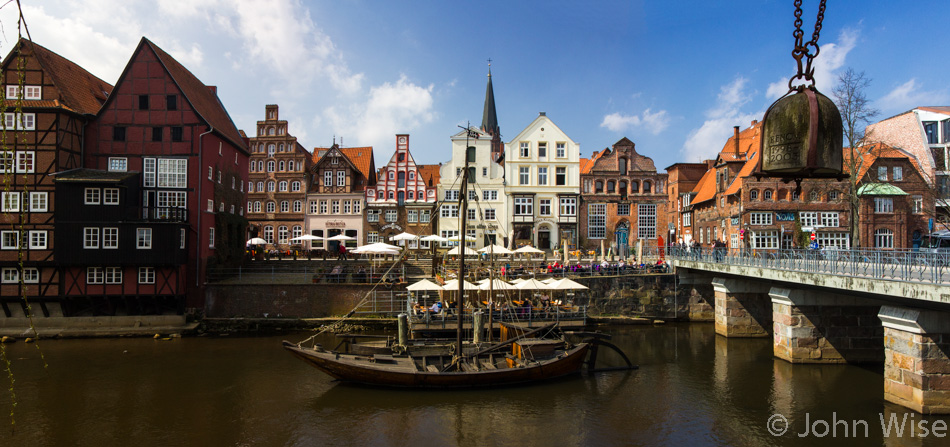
x: 94, y: 275
x: 110, y: 238
x: 39, y: 201
x: 90, y: 237
x: 92, y: 196
x: 143, y: 238
x: 883, y: 205
x: 760, y: 218
x: 110, y: 196
x: 7, y: 236
x: 646, y: 221
x: 113, y: 275
x: 37, y: 239
x: 118, y: 164
x: 568, y: 206
x: 146, y: 275
x: 597, y: 221
x: 10, y: 201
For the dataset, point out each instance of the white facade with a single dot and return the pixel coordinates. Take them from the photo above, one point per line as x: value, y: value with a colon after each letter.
x: 542, y: 168
x: 487, y: 205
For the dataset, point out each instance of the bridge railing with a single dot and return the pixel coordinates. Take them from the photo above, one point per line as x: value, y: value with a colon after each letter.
x: 898, y: 265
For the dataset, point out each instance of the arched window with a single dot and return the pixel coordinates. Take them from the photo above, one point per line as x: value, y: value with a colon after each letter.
x: 270, y: 131
x: 646, y: 187
x: 622, y: 164
x: 753, y: 194
x: 392, y: 175
x: 598, y: 187
x: 298, y: 206
x: 634, y: 187
x: 813, y: 196
x: 260, y: 186
x: 270, y: 150
x: 280, y: 147
x: 412, y: 175
x: 250, y: 187
x: 297, y: 231
x: 295, y: 186
x: 411, y: 195
x: 832, y: 195
x: 282, y: 234
x: 282, y: 186
x: 270, y: 186
x: 257, y: 206
x: 284, y: 206
x: 610, y: 186
x: 270, y: 166
x: 269, y: 234
x: 391, y: 195
x: 271, y: 207
x: 767, y: 195
x: 382, y: 195
x: 883, y: 238
x: 260, y: 166
x: 796, y: 196
x: 280, y: 166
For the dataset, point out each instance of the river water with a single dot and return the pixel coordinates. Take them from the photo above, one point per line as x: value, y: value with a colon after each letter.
x: 692, y: 388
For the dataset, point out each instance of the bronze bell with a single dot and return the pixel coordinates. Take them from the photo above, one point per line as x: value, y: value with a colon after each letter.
x: 802, y: 136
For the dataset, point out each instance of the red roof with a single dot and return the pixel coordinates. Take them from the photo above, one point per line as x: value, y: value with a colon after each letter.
x: 362, y: 158
x: 870, y: 154
x: 706, y: 188
x: 430, y: 173
x: 204, y: 101
x: 79, y: 90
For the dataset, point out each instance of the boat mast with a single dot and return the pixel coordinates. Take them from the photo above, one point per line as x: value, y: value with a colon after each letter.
x: 463, y: 211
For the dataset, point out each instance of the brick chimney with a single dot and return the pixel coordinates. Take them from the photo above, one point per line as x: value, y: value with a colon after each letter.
x: 213, y: 88
x: 736, y: 138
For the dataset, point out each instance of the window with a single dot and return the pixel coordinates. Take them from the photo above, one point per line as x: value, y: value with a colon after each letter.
x: 357, y: 206
x: 753, y: 194
x: 882, y: 173
x: 829, y: 219
x: 796, y: 196
x: 9, y: 240
x: 568, y: 206
x: 282, y: 186
x: 340, y: 178
x: 832, y: 195
x: 270, y: 207
x: 525, y: 149
x: 181, y: 238
x: 172, y: 173
x: 392, y: 215
x: 335, y: 209
x: 489, y: 214
x: 312, y: 207
x: 918, y: 204
x: 764, y: 239
x: 37, y: 239
x: 146, y: 275
x: 110, y: 196
x: 113, y: 275
x: 11, y: 201
x: 298, y: 206
x: 560, y: 176
x: 930, y: 129
x: 143, y: 102
x: 282, y: 234
x: 296, y: 232
x: 10, y: 275
x: 448, y: 210
x: 808, y: 218
x: 761, y: 219
x: 424, y: 216
x: 372, y: 215
x: 623, y: 209
x: 523, y: 176
x: 110, y: 238
x: 257, y: 207
x: 412, y: 216
x: 210, y: 206
x: 451, y: 195
x: 171, y: 102
x: 646, y: 221
x: 31, y: 275
x: 118, y: 164
x: 24, y: 162
x: 39, y: 201
x: 883, y: 205
x: 542, y: 150
x: 687, y: 219
x: 470, y: 214
x: 898, y: 173
x: 271, y: 186
x: 450, y: 234
x: 24, y: 121
x: 767, y: 195
x: 177, y: 133
x: 484, y: 173
x: 524, y: 206
x: 295, y: 186
x: 372, y: 237
x: 542, y: 176
x: 143, y: 238
x: 211, y: 237
x: 559, y: 151
x: 94, y: 275
x: 838, y: 239
x: 597, y: 221
x: 490, y: 194
x: 90, y: 237
x: 30, y: 92
x: 544, y: 207
x: 92, y: 196
x: 118, y: 133
x: 284, y: 206
x: 883, y: 238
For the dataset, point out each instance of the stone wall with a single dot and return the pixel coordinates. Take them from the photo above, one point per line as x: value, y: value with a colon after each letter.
x: 282, y: 300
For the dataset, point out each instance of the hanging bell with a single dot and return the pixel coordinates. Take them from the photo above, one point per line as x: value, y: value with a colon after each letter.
x: 802, y: 136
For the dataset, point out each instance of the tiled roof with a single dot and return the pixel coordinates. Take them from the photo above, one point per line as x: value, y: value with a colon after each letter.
x: 204, y: 101
x: 79, y: 90
x: 937, y: 109
x: 362, y: 158
x: 871, y: 153
x: 748, y: 142
x: 585, y: 165
x: 91, y: 175
x: 706, y: 188
x: 746, y: 171
x: 430, y: 173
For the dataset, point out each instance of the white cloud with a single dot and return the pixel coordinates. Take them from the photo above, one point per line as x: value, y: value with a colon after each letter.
x: 909, y: 95
x: 653, y: 122
x: 706, y: 141
x: 830, y: 58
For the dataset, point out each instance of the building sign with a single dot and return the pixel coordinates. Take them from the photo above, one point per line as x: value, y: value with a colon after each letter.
x: 735, y: 221
x: 391, y: 225
x: 785, y: 217
x: 335, y: 224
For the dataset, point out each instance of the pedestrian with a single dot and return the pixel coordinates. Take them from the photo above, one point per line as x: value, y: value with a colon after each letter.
x: 342, y: 256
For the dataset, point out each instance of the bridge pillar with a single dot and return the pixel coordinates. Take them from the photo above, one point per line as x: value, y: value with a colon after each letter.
x: 822, y: 327
x: 917, y: 358
x: 743, y: 308
x: 696, y: 290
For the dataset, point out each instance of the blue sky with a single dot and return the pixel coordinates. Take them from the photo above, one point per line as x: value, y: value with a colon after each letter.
x: 673, y: 76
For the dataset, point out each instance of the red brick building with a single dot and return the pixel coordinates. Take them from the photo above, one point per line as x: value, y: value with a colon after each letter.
x: 56, y: 99
x: 278, y: 181
x: 336, y: 198
x: 624, y: 199
x: 162, y: 121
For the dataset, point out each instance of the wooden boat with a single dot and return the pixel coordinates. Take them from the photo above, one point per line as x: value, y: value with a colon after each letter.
x: 529, y: 360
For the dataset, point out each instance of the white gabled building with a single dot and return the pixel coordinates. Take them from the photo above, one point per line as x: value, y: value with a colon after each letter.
x: 487, y: 220
x: 542, y: 166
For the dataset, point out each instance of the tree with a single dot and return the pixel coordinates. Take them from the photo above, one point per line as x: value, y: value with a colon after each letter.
x: 856, y: 114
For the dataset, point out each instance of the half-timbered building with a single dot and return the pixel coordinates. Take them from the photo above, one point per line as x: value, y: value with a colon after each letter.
x: 336, y: 199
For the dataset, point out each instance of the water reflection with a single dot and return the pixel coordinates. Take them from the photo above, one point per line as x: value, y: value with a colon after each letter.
x: 692, y: 388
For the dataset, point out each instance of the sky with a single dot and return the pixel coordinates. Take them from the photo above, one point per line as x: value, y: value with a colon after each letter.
x: 672, y: 76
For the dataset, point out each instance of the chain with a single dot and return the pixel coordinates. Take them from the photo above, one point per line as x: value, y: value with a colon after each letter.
x: 808, y: 50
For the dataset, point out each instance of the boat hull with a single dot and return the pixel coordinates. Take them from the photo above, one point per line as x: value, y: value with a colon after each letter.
x: 403, y: 372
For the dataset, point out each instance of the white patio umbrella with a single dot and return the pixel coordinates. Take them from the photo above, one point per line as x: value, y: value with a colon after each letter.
x: 532, y: 284
x: 341, y: 237
x: 404, y: 236
x: 567, y: 284
x: 433, y: 238
x: 424, y: 284
x: 453, y: 284
x: 527, y: 249
x: 457, y: 251
x: 377, y: 248
x: 497, y: 284
x: 549, y: 280
x: 307, y: 237
x: 517, y: 281
x: 495, y: 249
x: 256, y: 241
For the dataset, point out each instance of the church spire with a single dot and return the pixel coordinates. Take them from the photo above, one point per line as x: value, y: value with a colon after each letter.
x: 490, y: 118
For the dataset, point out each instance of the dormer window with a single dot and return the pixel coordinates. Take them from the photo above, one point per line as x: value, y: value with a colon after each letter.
x: 29, y: 92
